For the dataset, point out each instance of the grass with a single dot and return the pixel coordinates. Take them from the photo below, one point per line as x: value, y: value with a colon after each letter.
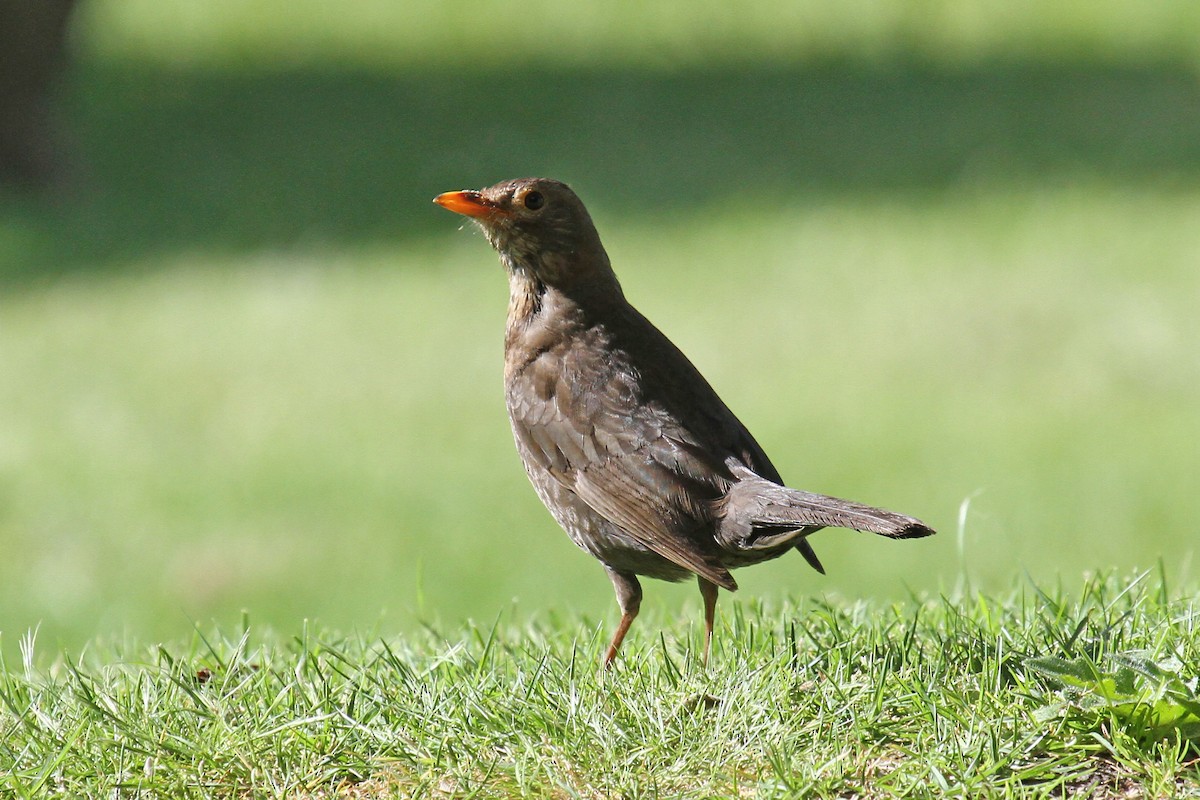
x: 658, y: 37
x: 962, y: 695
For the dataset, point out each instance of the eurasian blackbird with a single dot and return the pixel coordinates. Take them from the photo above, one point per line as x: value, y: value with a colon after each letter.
x: 626, y: 443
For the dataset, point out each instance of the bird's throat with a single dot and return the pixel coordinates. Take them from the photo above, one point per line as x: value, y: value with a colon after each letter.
x: 525, y: 294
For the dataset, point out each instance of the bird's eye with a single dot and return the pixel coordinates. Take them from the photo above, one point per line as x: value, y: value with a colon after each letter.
x: 534, y: 200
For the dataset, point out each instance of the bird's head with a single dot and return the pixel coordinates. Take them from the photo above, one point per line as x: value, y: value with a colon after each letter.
x: 540, y: 229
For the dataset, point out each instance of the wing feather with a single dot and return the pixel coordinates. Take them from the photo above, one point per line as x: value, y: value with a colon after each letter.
x: 619, y: 456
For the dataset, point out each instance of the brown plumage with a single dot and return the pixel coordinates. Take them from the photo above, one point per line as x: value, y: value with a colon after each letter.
x: 626, y: 443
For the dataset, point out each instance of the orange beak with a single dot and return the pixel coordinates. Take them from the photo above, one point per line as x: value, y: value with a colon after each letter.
x: 471, y: 204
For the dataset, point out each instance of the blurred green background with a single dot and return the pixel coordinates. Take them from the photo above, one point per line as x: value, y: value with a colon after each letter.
x: 928, y: 251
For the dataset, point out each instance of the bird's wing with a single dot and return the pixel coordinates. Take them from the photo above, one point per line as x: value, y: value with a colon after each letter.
x: 583, y: 422
x: 703, y: 413
x: 652, y: 505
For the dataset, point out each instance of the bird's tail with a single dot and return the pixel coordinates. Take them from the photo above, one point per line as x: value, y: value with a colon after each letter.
x: 759, y: 514
x: 805, y: 509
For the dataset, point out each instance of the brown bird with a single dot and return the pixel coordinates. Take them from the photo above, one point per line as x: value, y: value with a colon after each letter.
x: 626, y: 443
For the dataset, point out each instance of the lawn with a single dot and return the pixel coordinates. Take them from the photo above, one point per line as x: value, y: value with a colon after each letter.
x: 941, y: 257
x: 1028, y: 694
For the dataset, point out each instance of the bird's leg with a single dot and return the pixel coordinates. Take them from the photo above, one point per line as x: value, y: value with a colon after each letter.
x: 629, y: 598
x: 708, y: 590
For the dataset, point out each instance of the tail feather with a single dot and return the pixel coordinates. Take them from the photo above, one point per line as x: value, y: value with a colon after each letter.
x: 810, y: 555
x: 803, y: 509
x: 760, y: 515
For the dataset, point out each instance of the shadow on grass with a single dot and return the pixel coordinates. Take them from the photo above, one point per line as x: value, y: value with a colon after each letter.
x: 221, y: 161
